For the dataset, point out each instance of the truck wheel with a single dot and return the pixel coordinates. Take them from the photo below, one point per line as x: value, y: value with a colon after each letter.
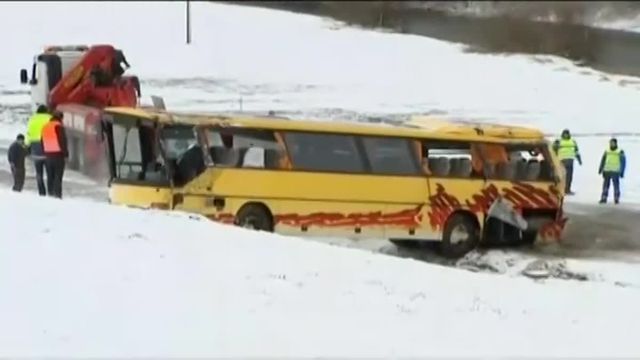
x: 461, y: 235
x: 529, y: 237
x: 255, y: 217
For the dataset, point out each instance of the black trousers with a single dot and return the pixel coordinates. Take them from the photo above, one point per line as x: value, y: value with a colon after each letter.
x: 568, y: 167
x: 608, y: 177
x: 40, y: 165
x: 55, y: 172
x: 18, y: 178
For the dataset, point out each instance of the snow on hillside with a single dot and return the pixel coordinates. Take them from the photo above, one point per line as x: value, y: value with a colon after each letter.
x: 306, y: 65
x: 93, y: 280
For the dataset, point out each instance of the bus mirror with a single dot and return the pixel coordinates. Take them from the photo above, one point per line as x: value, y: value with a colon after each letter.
x: 24, y: 76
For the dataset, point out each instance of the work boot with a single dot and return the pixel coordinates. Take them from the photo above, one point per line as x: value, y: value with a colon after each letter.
x: 617, y: 201
x: 570, y: 193
x: 603, y: 201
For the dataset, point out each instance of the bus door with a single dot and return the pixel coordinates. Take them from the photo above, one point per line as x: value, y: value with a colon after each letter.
x: 456, y: 181
x: 138, y: 176
x: 185, y: 154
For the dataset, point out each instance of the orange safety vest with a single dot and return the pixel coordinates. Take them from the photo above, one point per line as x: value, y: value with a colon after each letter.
x: 50, y: 140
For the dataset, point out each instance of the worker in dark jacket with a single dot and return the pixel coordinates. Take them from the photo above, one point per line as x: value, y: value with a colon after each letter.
x: 612, y: 167
x: 567, y: 150
x: 17, y: 153
x: 34, y: 142
x: 54, y: 142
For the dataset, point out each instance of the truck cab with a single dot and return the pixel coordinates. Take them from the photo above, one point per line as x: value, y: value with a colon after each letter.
x: 79, y: 81
x: 48, y: 68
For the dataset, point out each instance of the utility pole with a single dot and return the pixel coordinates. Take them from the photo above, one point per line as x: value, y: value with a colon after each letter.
x: 188, y: 22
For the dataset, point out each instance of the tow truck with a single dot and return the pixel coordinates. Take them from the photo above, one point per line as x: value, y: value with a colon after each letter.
x: 80, y: 81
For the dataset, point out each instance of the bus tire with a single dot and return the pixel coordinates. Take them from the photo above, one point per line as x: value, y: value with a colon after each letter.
x: 461, y: 235
x: 529, y: 237
x: 406, y: 244
x: 255, y: 217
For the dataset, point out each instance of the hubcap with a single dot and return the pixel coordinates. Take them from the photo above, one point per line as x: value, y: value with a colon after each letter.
x: 459, y: 235
x: 249, y: 223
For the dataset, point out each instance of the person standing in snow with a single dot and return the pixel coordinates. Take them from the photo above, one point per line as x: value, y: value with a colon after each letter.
x: 612, y: 167
x: 567, y: 150
x: 34, y: 142
x: 17, y: 153
x: 54, y: 142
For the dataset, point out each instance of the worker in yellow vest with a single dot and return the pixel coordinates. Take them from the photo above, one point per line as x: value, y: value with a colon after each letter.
x: 612, y: 167
x: 34, y: 143
x: 567, y: 150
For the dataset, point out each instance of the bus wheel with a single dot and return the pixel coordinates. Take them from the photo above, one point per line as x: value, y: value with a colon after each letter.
x: 461, y: 235
x: 406, y: 244
x: 254, y: 217
x: 529, y: 237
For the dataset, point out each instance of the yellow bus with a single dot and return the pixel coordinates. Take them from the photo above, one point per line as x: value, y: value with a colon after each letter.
x: 420, y: 180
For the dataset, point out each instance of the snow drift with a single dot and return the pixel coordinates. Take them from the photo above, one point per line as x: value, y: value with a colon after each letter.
x: 91, y: 280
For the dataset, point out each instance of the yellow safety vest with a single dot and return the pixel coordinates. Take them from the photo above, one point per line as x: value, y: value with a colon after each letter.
x: 34, y: 127
x: 568, y: 149
x: 612, y: 161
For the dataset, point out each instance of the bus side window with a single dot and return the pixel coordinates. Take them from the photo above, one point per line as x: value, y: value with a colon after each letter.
x: 391, y: 156
x: 449, y: 159
x: 530, y: 162
x: 491, y: 160
x: 324, y: 152
x: 232, y: 148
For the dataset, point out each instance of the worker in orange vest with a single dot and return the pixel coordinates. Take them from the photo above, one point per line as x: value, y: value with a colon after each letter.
x: 54, y: 142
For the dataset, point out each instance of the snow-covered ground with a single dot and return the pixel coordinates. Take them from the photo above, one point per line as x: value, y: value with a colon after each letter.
x: 89, y: 279
x: 157, y: 284
x: 306, y: 65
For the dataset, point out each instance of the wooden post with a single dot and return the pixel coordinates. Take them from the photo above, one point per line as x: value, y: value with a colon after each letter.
x: 188, y: 22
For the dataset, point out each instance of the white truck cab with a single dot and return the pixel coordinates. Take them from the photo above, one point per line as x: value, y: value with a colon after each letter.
x: 48, y: 68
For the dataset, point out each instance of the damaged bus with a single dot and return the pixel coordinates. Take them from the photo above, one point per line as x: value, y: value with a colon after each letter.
x: 422, y: 180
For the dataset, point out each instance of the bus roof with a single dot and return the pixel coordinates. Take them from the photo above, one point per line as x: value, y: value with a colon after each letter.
x: 417, y: 127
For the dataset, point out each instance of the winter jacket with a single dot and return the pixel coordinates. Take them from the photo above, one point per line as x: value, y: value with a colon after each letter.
x: 17, y: 153
x: 623, y: 162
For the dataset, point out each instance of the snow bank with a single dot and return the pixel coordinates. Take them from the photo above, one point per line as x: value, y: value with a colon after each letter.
x: 86, y: 280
